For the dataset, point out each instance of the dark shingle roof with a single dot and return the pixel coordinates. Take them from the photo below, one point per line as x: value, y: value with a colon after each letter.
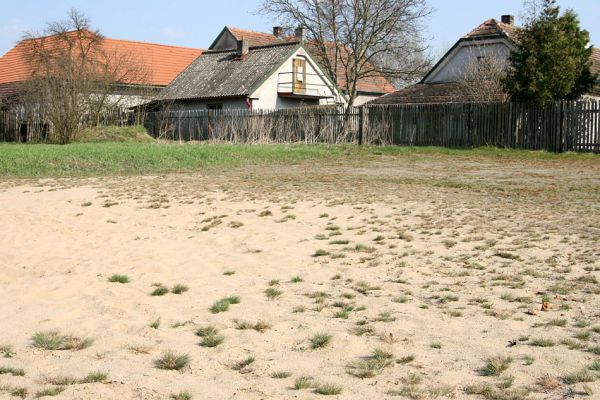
x: 492, y: 28
x: 218, y: 74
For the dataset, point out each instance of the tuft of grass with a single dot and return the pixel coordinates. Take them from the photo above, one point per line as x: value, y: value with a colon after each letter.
x: 595, y: 366
x: 328, y: 389
x: 372, y: 365
x: 155, y: 324
x: 204, y: 331
x: 320, y: 340
x: 159, y: 291
x: 273, y: 293
x: 496, y: 365
x: 119, y: 279
x: 95, y: 377
x: 297, y: 279
x: 15, y: 391
x: 244, y: 363
x: 210, y: 336
x: 179, y: 289
x: 54, y: 391
x: 181, y: 396
x: 212, y: 340
x: 53, y: 340
x: 321, y: 253
x: 12, y: 371
x: 259, y: 326
x: 223, y: 305
x: 281, y: 375
x: 583, y: 376
x: 541, y: 342
x: 6, y: 351
x: 303, y: 382
x: 435, y: 345
x: 229, y: 272
x: 171, y: 360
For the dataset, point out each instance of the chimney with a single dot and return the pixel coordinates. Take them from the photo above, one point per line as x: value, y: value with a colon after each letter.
x: 508, y: 19
x: 301, y: 33
x: 278, y: 32
x: 243, y: 47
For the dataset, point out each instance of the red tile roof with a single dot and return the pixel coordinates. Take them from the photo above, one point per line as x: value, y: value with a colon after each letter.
x: 162, y: 62
x: 492, y: 28
x: 377, y: 83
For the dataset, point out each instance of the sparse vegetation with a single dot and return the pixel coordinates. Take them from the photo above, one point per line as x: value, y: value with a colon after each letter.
x: 171, y: 360
x: 54, y: 340
x: 119, y: 279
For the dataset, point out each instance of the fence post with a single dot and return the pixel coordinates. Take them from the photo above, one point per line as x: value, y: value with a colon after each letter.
x: 561, y: 134
x: 361, y: 118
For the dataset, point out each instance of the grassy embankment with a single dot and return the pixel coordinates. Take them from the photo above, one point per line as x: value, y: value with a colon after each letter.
x: 149, y: 157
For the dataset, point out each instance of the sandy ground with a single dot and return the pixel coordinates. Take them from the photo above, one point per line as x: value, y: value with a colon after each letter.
x: 440, y: 262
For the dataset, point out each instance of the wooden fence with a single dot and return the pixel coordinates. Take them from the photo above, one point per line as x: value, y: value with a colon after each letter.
x: 556, y: 127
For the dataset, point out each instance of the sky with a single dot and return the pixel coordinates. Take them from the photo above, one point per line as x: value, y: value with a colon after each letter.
x: 195, y: 23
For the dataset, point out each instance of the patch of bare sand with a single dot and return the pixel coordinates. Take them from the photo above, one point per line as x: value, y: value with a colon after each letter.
x: 441, y: 267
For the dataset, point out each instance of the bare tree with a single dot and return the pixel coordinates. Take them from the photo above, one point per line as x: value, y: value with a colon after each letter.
x: 351, y: 38
x: 74, y: 76
x: 481, y: 78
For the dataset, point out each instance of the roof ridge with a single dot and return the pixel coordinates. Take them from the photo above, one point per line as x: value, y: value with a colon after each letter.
x: 262, y: 46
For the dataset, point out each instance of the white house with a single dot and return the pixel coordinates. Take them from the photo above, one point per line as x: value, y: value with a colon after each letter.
x: 267, y: 77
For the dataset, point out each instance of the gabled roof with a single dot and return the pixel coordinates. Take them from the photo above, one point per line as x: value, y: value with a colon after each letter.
x: 492, y: 29
x: 223, y: 74
x: 162, y: 62
x: 376, y: 83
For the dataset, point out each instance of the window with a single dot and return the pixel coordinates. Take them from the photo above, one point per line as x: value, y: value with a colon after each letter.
x: 215, y: 106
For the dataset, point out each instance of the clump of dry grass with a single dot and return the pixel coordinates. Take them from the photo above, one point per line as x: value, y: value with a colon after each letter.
x: 320, y: 340
x: 12, y: 371
x: 54, y: 340
x: 171, y: 360
x: 496, y: 365
x: 259, y: 326
x: 372, y: 365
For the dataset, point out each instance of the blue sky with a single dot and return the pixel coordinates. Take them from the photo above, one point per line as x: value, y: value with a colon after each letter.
x: 195, y: 23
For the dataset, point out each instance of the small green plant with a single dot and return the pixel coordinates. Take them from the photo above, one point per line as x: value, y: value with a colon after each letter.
x: 12, y: 371
x: 372, y: 365
x: 179, y: 289
x: 181, y: 396
x: 15, y: 391
x: 541, y: 342
x: 328, y: 389
x: 54, y: 391
x: 595, y: 366
x: 159, y: 291
x: 229, y: 272
x: 321, y: 253
x: 223, y: 305
x: 281, y: 375
x: 155, y: 324
x: 243, y: 364
x: 435, y: 345
x: 303, y: 382
x: 204, y: 331
x: 6, y: 351
x: 297, y: 279
x: 171, y: 360
x: 259, y: 326
x: 273, y: 293
x: 583, y: 376
x: 212, y: 340
x: 94, y: 377
x: 496, y: 365
x: 119, y: 279
x: 320, y: 340
x: 53, y: 340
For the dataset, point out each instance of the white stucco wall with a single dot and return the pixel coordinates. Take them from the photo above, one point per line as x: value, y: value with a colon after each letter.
x: 452, y: 68
x: 267, y: 95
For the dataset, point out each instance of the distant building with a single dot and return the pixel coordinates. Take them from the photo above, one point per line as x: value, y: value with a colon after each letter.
x: 369, y: 88
x: 162, y: 63
x: 267, y: 77
x: 442, y: 83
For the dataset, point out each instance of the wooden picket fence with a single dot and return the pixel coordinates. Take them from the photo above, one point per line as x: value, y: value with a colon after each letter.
x: 555, y: 127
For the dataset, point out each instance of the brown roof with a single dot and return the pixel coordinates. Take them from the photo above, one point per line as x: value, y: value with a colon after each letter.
x: 377, y: 83
x: 595, y: 61
x: 162, y: 62
x: 492, y: 28
x: 424, y: 93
